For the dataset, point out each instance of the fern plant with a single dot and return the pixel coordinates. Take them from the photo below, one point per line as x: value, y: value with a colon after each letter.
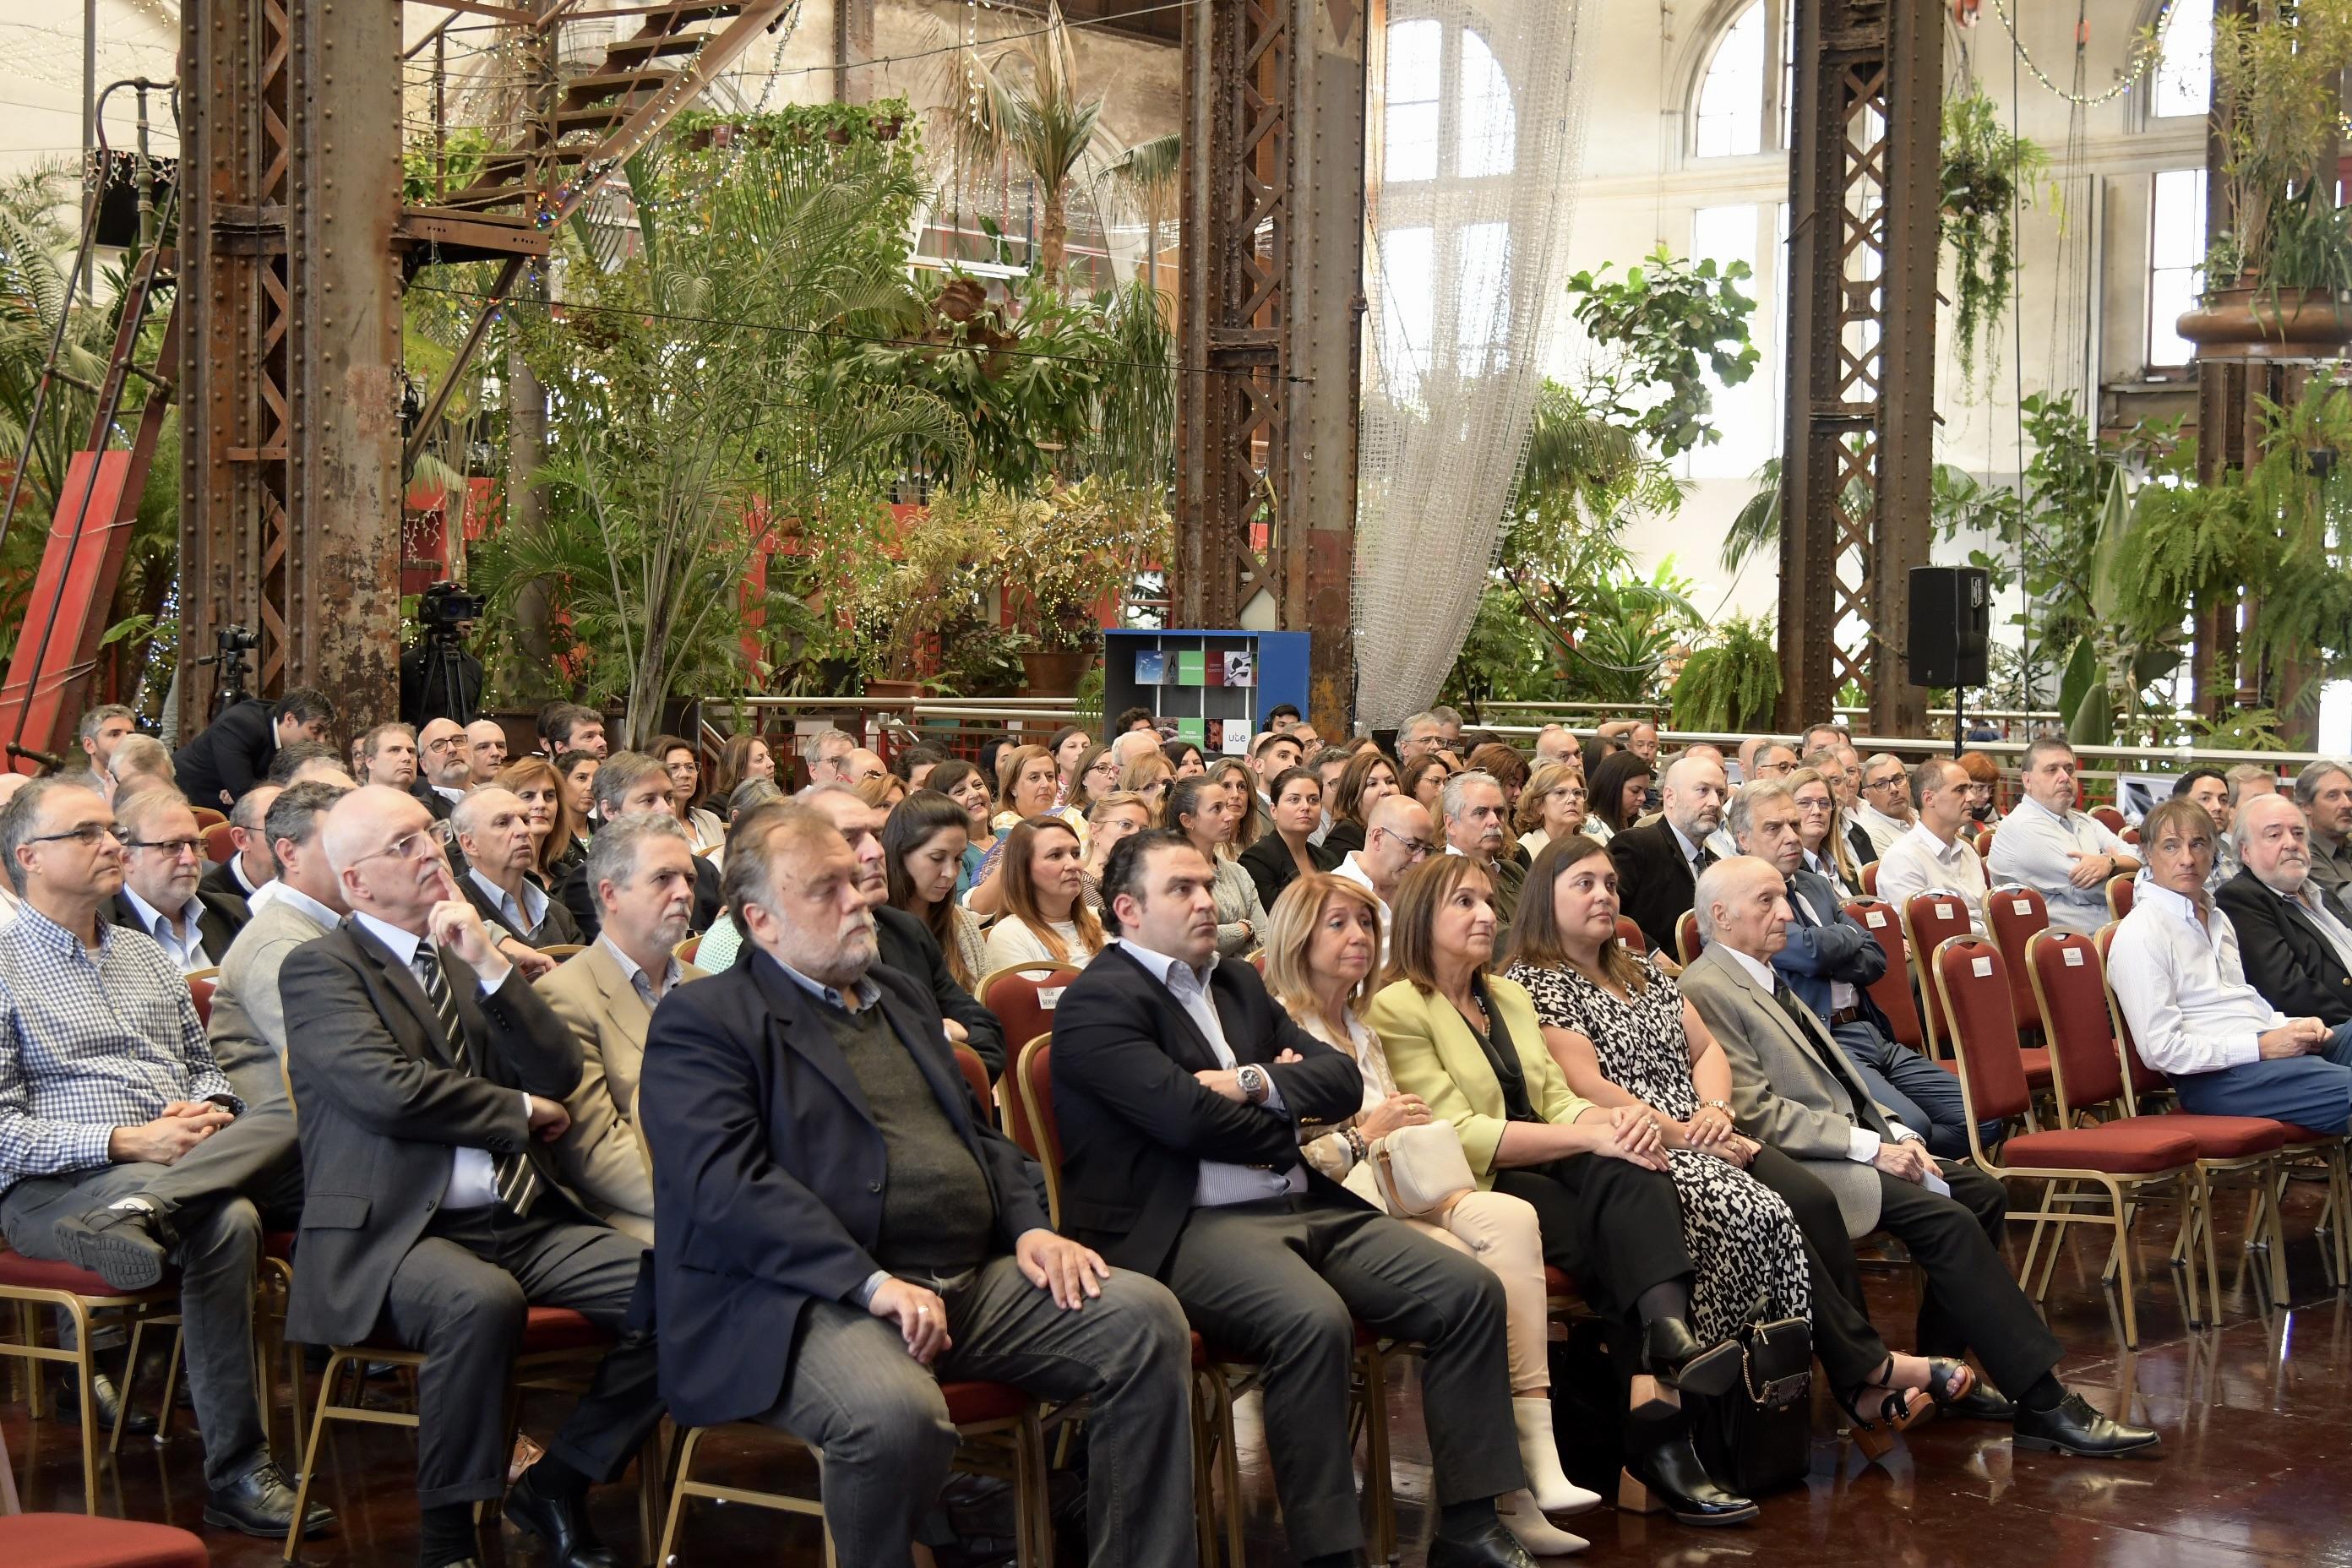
x: 1987, y: 175
x: 1732, y: 683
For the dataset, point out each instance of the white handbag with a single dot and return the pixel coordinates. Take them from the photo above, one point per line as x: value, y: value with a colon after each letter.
x: 1421, y: 1170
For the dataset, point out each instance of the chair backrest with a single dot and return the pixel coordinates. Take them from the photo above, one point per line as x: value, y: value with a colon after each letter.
x: 2012, y: 914
x: 201, y: 985
x: 1689, y: 944
x: 1870, y: 879
x: 1984, y: 843
x: 1256, y: 960
x: 1892, y: 991
x: 1973, y: 985
x: 686, y: 950
x: 1033, y: 1079
x: 2108, y: 817
x: 2119, y: 895
x: 2069, y: 980
x: 1929, y: 920
x: 1023, y: 997
x: 2144, y: 1079
x: 976, y: 1078
x: 1629, y: 931
x: 219, y: 844
x: 560, y: 950
x: 2131, y: 836
x: 207, y: 817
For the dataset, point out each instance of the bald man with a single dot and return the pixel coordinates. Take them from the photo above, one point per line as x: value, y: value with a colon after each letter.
x: 1398, y: 836
x: 1658, y: 863
x: 444, y: 767
x: 245, y: 873
x: 485, y: 749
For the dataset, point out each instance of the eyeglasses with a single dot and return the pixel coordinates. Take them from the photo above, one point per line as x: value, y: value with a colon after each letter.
x: 413, y: 846
x: 1883, y: 784
x: 89, y: 835
x: 173, y: 848
x: 1110, y: 769
x: 1417, y: 848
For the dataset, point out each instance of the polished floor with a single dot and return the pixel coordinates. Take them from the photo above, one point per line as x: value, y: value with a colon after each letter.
x: 2256, y: 1465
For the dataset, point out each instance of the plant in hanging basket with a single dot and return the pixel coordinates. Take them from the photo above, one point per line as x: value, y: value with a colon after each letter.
x: 1988, y: 177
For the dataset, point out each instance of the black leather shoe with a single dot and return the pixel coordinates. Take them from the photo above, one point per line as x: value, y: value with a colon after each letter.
x: 260, y: 1503
x: 1678, y: 1482
x: 2075, y: 1428
x: 1675, y: 1358
x: 1982, y: 1403
x: 123, y: 1247
x: 105, y: 1402
x: 1490, y: 1546
x: 561, y: 1523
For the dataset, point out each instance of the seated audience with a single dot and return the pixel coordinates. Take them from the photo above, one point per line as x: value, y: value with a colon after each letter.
x: 577, y: 770
x: 1829, y: 958
x: 248, y: 1027
x: 2063, y: 853
x: 570, y: 727
x: 2208, y: 788
x: 641, y: 870
x: 1620, y: 792
x: 2293, y: 949
x: 1555, y: 744
x: 860, y: 767
x: 1285, y: 855
x: 163, y: 864
x: 1936, y: 855
x: 2324, y: 790
x: 444, y: 767
x: 1984, y: 786
x: 685, y: 769
x: 1149, y: 778
x: 968, y: 787
x: 745, y: 756
x: 1771, y: 759
x: 1468, y: 1043
x: 1328, y: 764
x: 1794, y: 1088
x: 1423, y: 778
x: 1658, y: 865
x: 231, y: 753
x: 1322, y: 939
x: 1133, y: 746
x: 1098, y: 775
x: 627, y: 783
x: 492, y: 825
x: 387, y: 756
x: 247, y: 870
x: 823, y: 753
x: 1826, y: 853
x: 2175, y: 972
x: 556, y: 844
x: 1109, y: 818
x: 1071, y: 745
x: 1369, y: 778
x: 1137, y: 720
x: 1624, y: 1036
x: 306, y: 761
x: 1402, y: 837
x: 1848, y: 763
x: 1504, y: 765
x: 882, y: 1235
x: 1885, y: 814
x: 1251, y: 820
x: 922, y: 852
x: 1203, y: 811
x: 139, y: 763
x: 1045, y: 919
x: 485, y: 749
x: 915, y: 764
x: 1474, y: 825
x: 98, y: 731
x: 1179, y: 1087
x: 1552, y: 806
x: 1417, y: 737
x: 1185, y: 758
x: 429, y: 1081
x: 124, y: 1148
x: 1027, y: 784
x: 2247, y: 780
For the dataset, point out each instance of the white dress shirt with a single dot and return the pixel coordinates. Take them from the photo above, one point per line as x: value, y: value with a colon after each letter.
x: 2035, y: 846
x: 473, y: 1175
x: 1218, y: 1184
x: 2175, y: 972
x: 184, y: 947
x: 1919, y: 862
x: 275, y: 890
x: 1861, y: 1142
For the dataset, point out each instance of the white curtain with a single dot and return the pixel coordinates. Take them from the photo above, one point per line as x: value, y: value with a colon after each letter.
x: 1476, y: 138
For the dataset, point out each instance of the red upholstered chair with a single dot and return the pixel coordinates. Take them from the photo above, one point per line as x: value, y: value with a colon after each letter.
x: 218, y: 844
x: 1870, y: 880
x: 207, y: 817
x: 201, y: 983
x: 975, y: 1079
x: 32, y: 1286
x: 1022, y: 995
x: 1928, y: 919
x: 1984, y: 843
x: 684, y: 952
x: 1628, y: 932
x: 2108, y: 817
x: 2012, y: 914
x: 1688, y: 944
x: 1893, y: 990
x: 2119, y: 895
x: 78, y: 1540
x: 2130, y: 1164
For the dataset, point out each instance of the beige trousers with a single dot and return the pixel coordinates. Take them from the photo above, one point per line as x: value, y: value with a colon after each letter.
x: 1500, y: 1232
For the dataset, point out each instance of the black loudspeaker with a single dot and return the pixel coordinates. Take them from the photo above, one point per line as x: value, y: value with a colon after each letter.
x: 1951, y: 625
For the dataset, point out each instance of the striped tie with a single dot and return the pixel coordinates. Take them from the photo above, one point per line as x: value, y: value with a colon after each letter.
x: 517, y: 1184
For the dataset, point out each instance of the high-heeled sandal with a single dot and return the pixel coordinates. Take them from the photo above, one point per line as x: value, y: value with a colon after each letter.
x: 1949, y: 1381
x: 1900, y: 1409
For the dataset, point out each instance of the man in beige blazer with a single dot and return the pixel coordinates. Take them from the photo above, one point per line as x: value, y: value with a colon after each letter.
x: 641, y: 871
x: 1793, y: 1087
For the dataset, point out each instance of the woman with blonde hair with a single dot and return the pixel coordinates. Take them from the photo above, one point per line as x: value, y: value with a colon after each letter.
x: 535, y: 782
x: 1028, y: 782
x: 1098, y: 775
x: 1826, y: 850
x: 883, y: 793
x: 1109, y: 818
x: 1320, y: 940
x: 1045, y: 919
x: 1251, y: 822
x: 1149, y: 778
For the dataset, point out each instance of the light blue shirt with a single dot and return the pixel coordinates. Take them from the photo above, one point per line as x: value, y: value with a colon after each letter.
x: 2036, y: 846
x: 184, y: 947
x: 521, y: 918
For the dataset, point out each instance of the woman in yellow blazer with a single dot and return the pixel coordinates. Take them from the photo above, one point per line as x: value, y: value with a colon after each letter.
x: 1469, y: 1045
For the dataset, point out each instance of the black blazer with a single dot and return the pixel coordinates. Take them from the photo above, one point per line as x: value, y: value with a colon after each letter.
x: 1654, y: 884
x: 2287, y: 957
x: 767, y: 1174
x: 221, y: 918
x: 432, y: 800
x: 908, y: 946
x: 221, y: 882
x: 380, y: 1109
x: 1831, y: 946
x: 1134, y: 1124
x: 1344, y: 837
x: 1268, y: 861
x: 232, y: 755
x: 556, y: 927
x: 573, y: 891
x: 1857, y: 841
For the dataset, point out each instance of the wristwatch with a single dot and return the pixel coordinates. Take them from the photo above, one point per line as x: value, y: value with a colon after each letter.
x: 1256, y: 1085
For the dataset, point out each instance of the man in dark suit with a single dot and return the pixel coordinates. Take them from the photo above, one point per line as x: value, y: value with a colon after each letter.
x: 1829, y: 960
x: 250, y: 869
x: 1179, y: 1089
x: 162, y: 867
x: 837, y: 1227
x: 2295, y: 951
x: 908, y: 945
x: 628, y: 782
x: 427, y: 1078
x: 232, y: 755
x: 1657, y: 866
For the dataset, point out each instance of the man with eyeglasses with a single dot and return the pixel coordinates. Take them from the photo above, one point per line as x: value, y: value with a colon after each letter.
x: 444, y: 767
x: 160, y: 893
x: 123, y: 1147
x: 1885, y: 814
x: 1398, y: 836
x: 430, y: 1081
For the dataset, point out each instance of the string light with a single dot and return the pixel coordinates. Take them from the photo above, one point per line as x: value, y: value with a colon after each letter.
x: 2143, y: 56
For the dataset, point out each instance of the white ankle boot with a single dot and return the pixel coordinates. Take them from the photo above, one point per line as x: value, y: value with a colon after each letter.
x: 1531, y: 1529
x: 1539, y: 1457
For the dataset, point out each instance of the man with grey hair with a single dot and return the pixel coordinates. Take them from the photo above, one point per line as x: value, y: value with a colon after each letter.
x: 1884, y: 812
x: 492, y: 825
x: 138, y: 763
x: 123, y: 1147
x: 101, y: 728
x: 2295, y: 951
x: 1555, y: 744
x: 628, y: 782
x: 1771, y: 759
x: 1449, y: 726
x: 2324, y: 790
x: 1420, y: 733
x: 1133, y: 746
x: 882, y: 1235
x: 1658, y: 863
x: 446, y: 767
x: 1474, y: 812
x: 249, y: 868
x: 823, y: 752
x: 2065, y: 855
x: 2247, y: 780
x: 161, y: 870
x: 248, y: 1027
x: 641, y: 870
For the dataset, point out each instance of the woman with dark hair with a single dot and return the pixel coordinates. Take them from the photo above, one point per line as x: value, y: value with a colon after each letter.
x: 745, y: 756
x: 922, y: 851
x: 1044, y: 921
x: 1185, y: 758
x: 1203, y: 810
x: 577, y: 770
x: 966, y: 785
x: 1369, y: 778
x: 1619, y: 787
x: 1097, y: 775
x: 1510, y: 770
x: 1070, y: 745
x: 1423, y: 778
x: 1284, y: 856
x: 916, y: 763
x: 535, y: 782
x: 677, y: 758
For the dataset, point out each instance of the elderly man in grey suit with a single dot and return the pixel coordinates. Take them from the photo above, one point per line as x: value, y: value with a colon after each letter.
x: 641, y: 869
x: 247, y: 1029
x: 1793, y: 1087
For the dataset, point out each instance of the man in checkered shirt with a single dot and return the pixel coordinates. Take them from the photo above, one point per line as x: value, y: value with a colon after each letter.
x: 123, y: 1147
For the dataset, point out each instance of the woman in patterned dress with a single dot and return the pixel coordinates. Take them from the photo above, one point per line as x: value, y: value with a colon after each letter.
x: 1621, y: 1031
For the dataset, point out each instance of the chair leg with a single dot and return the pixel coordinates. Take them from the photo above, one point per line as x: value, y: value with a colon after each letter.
x: 2212, y: 1264
x: 1230, y: 1462
x: 171, y: 1385
x: 310, y: 1452
x: 2125, y: 1290
x: 85, y: 1377
x: 1377, y: 1486
x: 686, y: 1445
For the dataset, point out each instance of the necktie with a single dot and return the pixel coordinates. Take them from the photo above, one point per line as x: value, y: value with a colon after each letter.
x: 517, y: 1183
x: 1809, y: 1029
x: 1701, y: 861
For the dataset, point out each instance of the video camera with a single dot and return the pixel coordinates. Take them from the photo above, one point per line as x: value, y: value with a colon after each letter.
x: 231, y: 644
x: 444, y: 607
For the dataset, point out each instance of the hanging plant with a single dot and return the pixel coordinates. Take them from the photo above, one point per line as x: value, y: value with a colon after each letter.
x: 1987, y: 175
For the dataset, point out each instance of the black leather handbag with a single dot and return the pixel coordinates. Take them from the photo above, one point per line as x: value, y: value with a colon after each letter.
x: 1757, y: 1437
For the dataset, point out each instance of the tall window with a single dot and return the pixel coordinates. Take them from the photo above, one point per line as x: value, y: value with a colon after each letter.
x: 1448, y: 113
x: 2176, y: 254
x: 1743, y: 414
x: 1743, y: 100
x: 2184, y: 77
x: 1410, y: 132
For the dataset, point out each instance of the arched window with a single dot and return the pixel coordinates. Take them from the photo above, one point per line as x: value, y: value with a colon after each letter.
x: 1742, y: 103
x: 2184, y: 74
x: 1489, y: 133
x: 1448, y: 113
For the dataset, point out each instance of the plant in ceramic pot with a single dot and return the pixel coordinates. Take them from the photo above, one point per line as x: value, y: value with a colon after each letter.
x: 1065, y: 554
